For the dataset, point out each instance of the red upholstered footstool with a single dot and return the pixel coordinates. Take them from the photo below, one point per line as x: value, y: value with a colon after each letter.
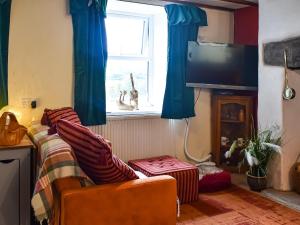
x: 186, y: 175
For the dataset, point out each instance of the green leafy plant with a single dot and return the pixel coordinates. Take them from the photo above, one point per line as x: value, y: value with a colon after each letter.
x: 259, y: 150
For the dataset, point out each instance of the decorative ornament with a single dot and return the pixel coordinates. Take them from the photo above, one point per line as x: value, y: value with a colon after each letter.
x: 133, y: 102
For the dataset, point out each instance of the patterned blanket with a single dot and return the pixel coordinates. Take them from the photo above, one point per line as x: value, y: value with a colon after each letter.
x: 55, y: 160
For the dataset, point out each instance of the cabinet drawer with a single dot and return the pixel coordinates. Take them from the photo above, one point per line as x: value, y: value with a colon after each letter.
x: 9, y: 194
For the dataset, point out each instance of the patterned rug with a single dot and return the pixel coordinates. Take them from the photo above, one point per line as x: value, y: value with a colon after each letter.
x: 236, y: 206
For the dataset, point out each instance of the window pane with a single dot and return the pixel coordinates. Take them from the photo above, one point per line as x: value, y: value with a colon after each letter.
x: 118, y: 79
x: 126, y: 35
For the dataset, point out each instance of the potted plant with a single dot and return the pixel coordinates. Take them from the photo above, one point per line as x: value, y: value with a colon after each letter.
x: 258, y: 151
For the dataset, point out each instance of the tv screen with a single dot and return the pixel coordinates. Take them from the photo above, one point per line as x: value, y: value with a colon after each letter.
x: 222, y: 66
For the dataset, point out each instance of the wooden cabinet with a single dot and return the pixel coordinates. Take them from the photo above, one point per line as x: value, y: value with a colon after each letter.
x: 15, y: 183
x: 231, y: 120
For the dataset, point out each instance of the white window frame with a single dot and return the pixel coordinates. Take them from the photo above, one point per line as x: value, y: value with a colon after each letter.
x: 149, y: 57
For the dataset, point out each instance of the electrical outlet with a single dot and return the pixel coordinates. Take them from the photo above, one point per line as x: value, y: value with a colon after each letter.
x: 26, y: 102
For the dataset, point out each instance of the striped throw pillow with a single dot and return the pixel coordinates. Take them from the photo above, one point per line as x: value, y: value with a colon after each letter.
x: 44, y: 120
x: 53, y: 115
x: 94, y: 154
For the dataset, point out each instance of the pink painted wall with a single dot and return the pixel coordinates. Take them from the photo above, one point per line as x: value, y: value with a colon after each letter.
x: 246, y: 26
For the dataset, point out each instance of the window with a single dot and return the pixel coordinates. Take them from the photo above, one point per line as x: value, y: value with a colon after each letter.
x: 137, y: 45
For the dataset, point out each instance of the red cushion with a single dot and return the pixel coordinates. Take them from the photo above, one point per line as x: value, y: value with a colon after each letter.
x: 53, y: 115
x: 215, y: 182
x: 44, y: 120
x: 94, y: 154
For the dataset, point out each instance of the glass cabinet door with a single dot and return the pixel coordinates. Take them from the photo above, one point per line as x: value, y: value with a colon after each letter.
x: 231, y: 120
x: 233, y: 127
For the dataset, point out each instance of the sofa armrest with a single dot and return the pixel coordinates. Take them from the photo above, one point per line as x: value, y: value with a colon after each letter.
x: 149, y: 201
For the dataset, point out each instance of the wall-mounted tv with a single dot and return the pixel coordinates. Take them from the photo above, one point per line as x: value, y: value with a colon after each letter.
x: 222, y: 66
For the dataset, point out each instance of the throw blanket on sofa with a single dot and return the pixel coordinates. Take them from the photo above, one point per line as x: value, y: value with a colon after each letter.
x: 55, y: 160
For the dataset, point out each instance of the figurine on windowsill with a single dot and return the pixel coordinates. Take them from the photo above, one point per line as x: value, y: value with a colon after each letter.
x: 121, y: 103
x: 134, y: 94
x: 133, y: 102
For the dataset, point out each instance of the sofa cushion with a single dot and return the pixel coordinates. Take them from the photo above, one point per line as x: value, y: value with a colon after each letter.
x: 66, y: 183
x: 53, y: 115
x: 94, y: 154
x: 140, y: 174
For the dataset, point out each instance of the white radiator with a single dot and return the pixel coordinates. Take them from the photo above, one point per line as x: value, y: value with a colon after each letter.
x: 137, y: 138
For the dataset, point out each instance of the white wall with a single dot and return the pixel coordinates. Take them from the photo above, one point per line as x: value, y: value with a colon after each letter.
x: 278, y: 21
x: 40, y: 54
x: 41, y: 65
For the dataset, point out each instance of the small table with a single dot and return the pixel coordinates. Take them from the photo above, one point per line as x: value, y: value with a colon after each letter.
x: 186, y: 175
x: 15, y: 183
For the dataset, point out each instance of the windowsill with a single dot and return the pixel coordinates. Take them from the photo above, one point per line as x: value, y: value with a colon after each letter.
x: 127, y: 115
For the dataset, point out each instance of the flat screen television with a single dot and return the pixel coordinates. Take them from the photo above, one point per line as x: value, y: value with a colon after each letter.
x: 222, y: 66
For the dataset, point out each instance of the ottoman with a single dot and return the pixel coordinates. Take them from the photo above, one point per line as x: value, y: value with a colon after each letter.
x: 186, y: 175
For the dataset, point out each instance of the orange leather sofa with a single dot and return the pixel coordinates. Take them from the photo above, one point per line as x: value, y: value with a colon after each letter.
x: 148, y: 201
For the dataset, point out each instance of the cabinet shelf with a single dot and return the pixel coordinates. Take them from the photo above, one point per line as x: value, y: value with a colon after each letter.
x: 232, y: 121
x: 227, y: 147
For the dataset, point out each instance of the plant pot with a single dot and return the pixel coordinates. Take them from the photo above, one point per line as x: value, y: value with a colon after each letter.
x: 256, y: 183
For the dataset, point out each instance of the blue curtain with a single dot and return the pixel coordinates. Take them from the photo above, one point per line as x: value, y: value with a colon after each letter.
x: 183, y: 25
x: 90, y: 57
x: 4, y: 36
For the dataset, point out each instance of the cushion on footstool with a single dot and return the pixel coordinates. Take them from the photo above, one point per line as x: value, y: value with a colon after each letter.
x: 186, y: 175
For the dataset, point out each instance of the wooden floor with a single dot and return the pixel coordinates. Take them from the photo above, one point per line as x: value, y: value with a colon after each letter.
x: 236, y: 206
